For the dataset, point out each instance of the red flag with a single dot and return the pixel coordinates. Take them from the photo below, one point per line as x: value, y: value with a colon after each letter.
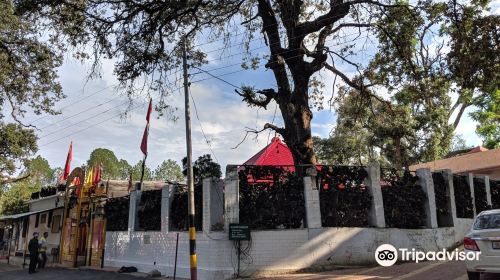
x: 67, y: 167
x: 97, y: 175
x: 144, y: 142
x: 150, y: 108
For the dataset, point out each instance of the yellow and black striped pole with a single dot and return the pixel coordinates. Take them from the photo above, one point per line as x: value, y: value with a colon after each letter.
x: 191, y: 208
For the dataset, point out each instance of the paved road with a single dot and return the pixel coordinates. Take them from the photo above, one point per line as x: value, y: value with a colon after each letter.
x: 410, y: 271
x: 453, y: 270
x: 16, y: 273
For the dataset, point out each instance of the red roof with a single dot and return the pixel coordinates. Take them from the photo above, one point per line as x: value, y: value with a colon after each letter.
x: 276, y: 153
x: 477, y: 149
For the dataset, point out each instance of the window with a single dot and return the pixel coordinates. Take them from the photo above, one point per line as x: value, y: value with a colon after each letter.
x: 488, y: 221
x: 37, y: 220
x: 49, y: 222
x: 56, y: 220
x: 43, y: 219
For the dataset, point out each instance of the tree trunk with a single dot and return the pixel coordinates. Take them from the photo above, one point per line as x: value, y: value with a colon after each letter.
x: 297, y: 117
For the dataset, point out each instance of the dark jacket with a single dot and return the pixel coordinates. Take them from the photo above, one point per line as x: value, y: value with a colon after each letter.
x: 33, y: 246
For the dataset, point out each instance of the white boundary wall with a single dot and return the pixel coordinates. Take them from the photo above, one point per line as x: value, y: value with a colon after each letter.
x: 275, y: 251
x: 272, y: 251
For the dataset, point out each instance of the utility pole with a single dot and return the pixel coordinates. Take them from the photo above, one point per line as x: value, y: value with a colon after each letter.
x: 191, y: 209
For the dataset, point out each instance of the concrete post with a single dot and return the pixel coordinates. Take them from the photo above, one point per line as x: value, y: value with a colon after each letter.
x: 207, y: 193
x: 232, y: 197
x: 488, y: 189
x: 133, y: 218
x: 450, y: 192
x: 427, y: 184
x: 165, y: 208
x: 213, y: 207
x: 376, y: 216
x: 470, y: 180
x: 311, y: 199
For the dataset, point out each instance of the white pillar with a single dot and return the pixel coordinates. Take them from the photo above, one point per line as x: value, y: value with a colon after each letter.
x: 133, y: 219
x: 165, y: 208
x: 311, y: 200
x: 470, y: 180
x: 231, y: 198
x: 427, y: 184
x: 213, y: 207
x: 488, y: 189
x: 376, y: 216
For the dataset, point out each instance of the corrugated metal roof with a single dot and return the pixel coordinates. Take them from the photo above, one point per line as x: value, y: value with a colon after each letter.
x: 20, y: 215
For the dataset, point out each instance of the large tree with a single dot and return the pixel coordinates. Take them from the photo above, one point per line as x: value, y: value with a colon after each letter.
x: 28, y: 83
x: 168, y: 170
x: 14, y: 199
x: 426, y: 57
x: 145, y: 39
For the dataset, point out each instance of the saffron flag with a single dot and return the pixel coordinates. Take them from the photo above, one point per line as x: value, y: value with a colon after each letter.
x: 144, y: 142
x: 89, y: 179
x: 67, y: 167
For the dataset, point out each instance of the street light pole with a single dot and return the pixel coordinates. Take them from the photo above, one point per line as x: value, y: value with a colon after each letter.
x: 191, y: 208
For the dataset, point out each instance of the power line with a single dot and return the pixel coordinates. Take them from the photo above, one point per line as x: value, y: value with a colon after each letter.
x: 218, y: 77
x: 81, y: 112
x: 66, y: 106
x: 85, y: 128
x: 263, y: 27
x: 290, y: 50
x: 89, y: 118
x: 202, y: 130
x: 93, y: 94
x: 197, y: 81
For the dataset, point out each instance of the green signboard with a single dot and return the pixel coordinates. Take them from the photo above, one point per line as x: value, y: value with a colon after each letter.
x: 239, y: 232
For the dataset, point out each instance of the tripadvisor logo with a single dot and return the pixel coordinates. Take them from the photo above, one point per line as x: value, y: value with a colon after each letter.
x: 387, y: 255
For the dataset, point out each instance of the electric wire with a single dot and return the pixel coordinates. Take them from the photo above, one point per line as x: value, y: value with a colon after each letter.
x: 201, y: 127
x: 85, y: 128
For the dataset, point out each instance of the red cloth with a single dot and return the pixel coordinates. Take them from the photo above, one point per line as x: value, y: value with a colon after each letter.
x: 67, y: 167
x: 97, y: 175
x: 144, y: 142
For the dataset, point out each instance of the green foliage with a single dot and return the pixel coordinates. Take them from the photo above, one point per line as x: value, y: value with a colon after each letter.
x: 149, y: 210
x: 403, y: 199
x: 271, y: 198
x: 16, y: 144
x: 480, y: 199
x: 117, y: 210
x: 28, y: 73
x: 463, y: 197
x: 495, y: 193
x: 488, y: 117
x: 111, y: 167
x: 168, y: 170
x: 14, y: 199
x: 137, y: 169
x: 203, y: 168
x: 344, y: 199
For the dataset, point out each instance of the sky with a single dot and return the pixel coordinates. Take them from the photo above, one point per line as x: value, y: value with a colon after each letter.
x: 92, y: 116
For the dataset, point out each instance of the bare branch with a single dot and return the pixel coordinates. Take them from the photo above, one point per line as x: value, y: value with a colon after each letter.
x: 270, y: 126
x: 4, y: 179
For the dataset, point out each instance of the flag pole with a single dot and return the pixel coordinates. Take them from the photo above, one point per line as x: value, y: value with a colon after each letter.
x: 191, y: 208
x: 142, y: 171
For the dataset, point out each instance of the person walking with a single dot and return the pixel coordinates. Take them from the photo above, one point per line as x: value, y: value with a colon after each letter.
x: 42, y: 249
x: 33, y: 249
